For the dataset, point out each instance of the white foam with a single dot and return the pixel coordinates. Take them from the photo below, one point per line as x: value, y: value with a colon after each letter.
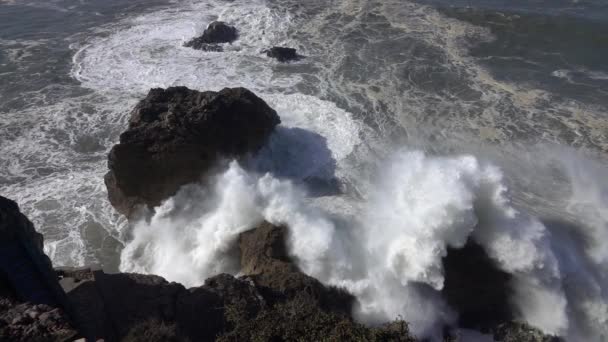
x: 384, y: 254
x: 147, y: 51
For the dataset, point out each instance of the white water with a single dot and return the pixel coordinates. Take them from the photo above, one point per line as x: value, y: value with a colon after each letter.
x: 384, y: 243
x: 420, y: 206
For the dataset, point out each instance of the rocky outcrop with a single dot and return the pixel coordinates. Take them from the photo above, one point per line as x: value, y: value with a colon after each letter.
x: 476, y: 288
x: 521, y: 332
x: 272, y: 300
x: 282, y: 54
x: 32, y: 304
x: 29, y: 322
x: 287, y: 305
x: 176, y: 135
x: 479, y: 291
x: 265, y: 260
x: 216, y: 33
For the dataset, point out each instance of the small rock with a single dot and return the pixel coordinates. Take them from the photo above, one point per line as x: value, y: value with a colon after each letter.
x: 282, y: 54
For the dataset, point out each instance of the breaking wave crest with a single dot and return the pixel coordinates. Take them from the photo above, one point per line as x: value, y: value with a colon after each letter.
x: 390, y: 254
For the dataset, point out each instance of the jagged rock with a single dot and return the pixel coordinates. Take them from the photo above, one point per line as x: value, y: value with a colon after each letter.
x: 37, y: 323
x: 32, y: 303
x: 110, y: 305
x: 125, y: 306
x: 282, y: 54
x: 217, y: 32
x: 175, y: 135
x: 476, y: 288
x: 264, y: 259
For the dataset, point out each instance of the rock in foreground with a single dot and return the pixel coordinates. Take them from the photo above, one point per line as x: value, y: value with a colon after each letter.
x: 176, y: 135
x: 273, y: 302
x: 216, y: 33
x: 32, y: 304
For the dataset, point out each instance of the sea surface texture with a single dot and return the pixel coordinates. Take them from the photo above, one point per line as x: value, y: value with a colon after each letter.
x: 408, y: 128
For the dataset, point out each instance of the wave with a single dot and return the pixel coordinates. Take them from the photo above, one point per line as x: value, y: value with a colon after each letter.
x: 399, y: 210
x: 390, y: 254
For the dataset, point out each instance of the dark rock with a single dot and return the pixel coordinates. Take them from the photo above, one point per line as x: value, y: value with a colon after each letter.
x: 122, y: 307
x: 32, y: 304
x: 29, y: 322
x: 176, y: 135
x: 217, y: 32
x: 297, y: 307
x: 476, y: 288
x: 87, y: 303
x: 274, y: 302
x: 152, y: 330
x: 282, y: 54
x: 222, y: 300
x: 264, y: 259
x: 521, y: 332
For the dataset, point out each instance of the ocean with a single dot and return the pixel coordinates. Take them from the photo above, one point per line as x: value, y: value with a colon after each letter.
x: 408, y: 127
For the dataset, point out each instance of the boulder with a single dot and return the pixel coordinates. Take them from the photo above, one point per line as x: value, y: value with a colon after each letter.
x: 216, y: 33
x: 282, y: 54
x: 176, y: 135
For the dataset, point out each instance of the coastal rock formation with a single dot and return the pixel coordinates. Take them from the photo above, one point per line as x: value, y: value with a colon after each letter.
x: 274, y: 302
x: 476, y: 288
x: 265, y: 260
x: 521, y: 332
x: 175, y: 135
x: 216, y: 33
x: 32, y: 304
x: 282, y: 54
x: 33, y: 323
x: 271, y: 301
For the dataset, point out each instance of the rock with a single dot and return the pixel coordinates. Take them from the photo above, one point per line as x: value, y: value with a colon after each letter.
x: 521, y: 332
x: 297, y: 307
x: 135, y: 307
x: 176, y: 135
x: 275, y: 301
x: 222, y: 300
x: 51, y: 324
x: 29, y: 289
x: 282, y: 54
x: 476, y: 288
x: 217, y: 32
x: 265, y: 261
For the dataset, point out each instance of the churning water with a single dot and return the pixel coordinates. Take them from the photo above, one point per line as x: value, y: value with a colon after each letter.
x: 409, y: 128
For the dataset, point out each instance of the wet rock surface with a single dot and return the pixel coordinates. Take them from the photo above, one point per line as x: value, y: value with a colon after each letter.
x: 283, y: 54
x: 216, y: 33
x: 176, y: 135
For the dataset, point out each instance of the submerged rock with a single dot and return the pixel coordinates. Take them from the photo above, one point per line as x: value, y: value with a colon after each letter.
x: 217, y: 32
x: 176, y: 135
x: 282, y: 54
